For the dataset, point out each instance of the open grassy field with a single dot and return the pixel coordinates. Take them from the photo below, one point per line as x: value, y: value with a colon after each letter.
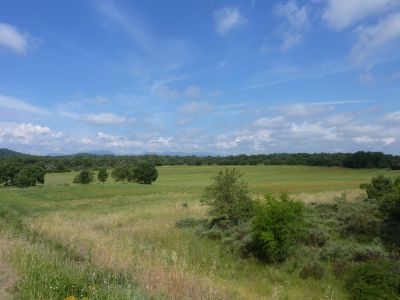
x: 118, y: 241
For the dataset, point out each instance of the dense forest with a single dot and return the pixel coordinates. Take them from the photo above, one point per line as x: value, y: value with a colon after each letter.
x: 67, y: 163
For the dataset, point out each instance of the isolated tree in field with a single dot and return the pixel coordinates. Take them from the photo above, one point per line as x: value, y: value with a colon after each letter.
x: 102, y: 175
x: 144, y: 172
x: 84, y: 177
x: 29, y: 176
x: 122, y: 173
x: 228, y: 196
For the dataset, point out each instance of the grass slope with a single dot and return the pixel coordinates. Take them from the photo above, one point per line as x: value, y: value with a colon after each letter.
x: 124, y: 234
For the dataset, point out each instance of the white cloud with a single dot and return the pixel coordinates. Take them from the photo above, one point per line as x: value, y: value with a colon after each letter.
x: 105, y: 119
x: 295, y: 22
x: 12, y: 38
x: 314, y: 129
x: 303, y: 110
x: 26, y: 134
x: 340, y: 14
x: 369, y: 140
x: 228, y: 18
x: 195, y: 107
x: 376, y: 38
x: 393, y: 116
x: 270, y: 122
x: 13, y: 104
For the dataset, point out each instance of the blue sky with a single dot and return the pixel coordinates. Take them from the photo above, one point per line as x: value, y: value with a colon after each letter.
x: 223, y: 77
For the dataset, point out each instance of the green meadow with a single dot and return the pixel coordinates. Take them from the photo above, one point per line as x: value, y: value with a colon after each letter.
x: 119, y: 241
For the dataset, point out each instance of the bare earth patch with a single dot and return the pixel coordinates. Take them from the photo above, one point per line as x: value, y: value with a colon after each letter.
x: 8, y: 276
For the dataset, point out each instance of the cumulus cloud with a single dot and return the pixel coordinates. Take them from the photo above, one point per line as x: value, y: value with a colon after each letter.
x: 106, y: 119
x: 228, y: 18
x: 195, y: 108
x: 14, y: 39
x: 27, y: 134
x: 340, y: 14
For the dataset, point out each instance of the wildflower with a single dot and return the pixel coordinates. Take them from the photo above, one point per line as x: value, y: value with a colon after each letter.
x: 70, y: 298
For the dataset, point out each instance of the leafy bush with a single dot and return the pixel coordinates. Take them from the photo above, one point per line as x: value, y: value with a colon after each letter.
x: 29, y: 176
x: 102, y: 175
x: 122, y: 173
x: 374, y: 280
x: 228, y: 196
x: 144, y: 172
x: 379, y: 186
x: 276, y: 226
x: 84, y: 177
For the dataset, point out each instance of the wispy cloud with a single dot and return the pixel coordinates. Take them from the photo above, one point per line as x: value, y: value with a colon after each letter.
x: 14, y: 104
x: 228, y: 18
x: 195, y: 108
x: 14, y: 39
x: 295, y: 23
x: 106, y: 119
x: 376, y: 38
x: 340, y: 14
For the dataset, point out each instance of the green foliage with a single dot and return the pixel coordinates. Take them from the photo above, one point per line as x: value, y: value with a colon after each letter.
x: 84, y: 177
x: 29, y: 175
x: 123, y: 173
x: 379, y: 186
x: 8, y: 171
x: 374, y: 280
x: 276, y: 226
x: 102, y: 175
x: 228, y: 196
x: 144, y: 172
x: 385, y: 192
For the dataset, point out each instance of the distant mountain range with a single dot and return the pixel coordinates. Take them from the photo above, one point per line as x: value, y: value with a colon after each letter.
x: 8, y: 153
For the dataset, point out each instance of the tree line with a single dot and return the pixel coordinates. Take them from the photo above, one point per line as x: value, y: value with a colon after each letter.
x: 79, y: 162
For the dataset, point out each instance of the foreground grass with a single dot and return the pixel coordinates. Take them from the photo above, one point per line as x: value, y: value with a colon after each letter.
x: 124, y: 234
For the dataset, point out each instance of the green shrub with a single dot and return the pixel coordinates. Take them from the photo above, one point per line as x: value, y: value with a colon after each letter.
x: 374, y: 280
x: 276, y: 226
x: 379, y: 186
x: 84, y: 177
x: 228, y: 196
x: 102, y: 175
